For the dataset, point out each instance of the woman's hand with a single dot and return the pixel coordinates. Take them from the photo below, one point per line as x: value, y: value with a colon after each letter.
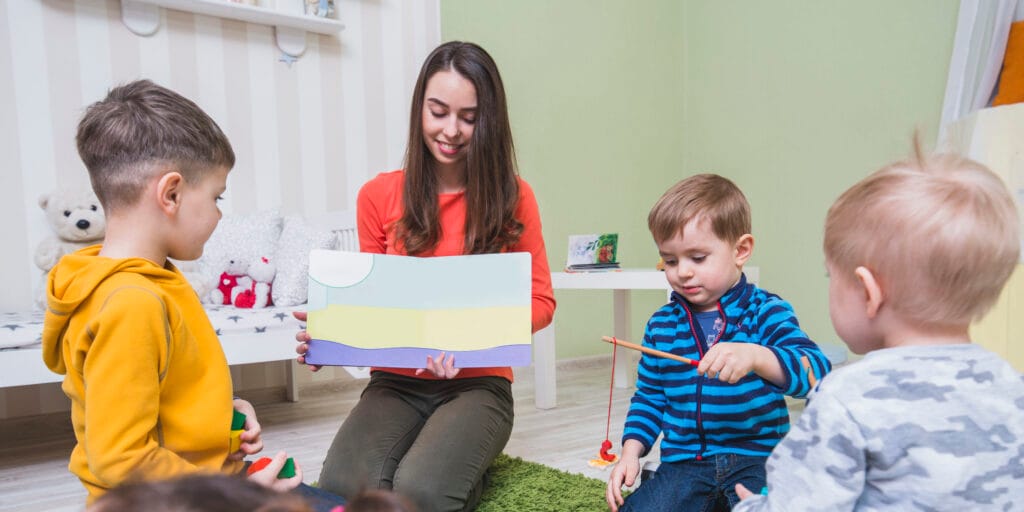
x: 252, y: 441
x: 303, y: 338
x: 267, y: 477
x: 441, y: 368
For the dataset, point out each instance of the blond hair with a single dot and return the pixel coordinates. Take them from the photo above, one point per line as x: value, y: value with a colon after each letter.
x: 939, y: 232
x: 709, y: 196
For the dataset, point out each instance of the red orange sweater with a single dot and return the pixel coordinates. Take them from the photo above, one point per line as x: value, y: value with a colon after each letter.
x: 379, y: 207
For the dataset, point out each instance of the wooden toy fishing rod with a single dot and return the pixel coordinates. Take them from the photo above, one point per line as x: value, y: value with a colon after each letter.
x: 651, y: 351
x: 605, y: 457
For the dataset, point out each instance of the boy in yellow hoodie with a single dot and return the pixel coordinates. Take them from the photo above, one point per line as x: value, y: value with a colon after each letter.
x: 150, y: 390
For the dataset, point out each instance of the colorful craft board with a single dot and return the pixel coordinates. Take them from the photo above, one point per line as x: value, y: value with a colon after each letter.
x: 393, y: 311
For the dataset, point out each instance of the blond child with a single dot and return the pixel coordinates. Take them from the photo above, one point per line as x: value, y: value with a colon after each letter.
x: 721, y: 419
x: 151, y: 395
x: 926, y: 420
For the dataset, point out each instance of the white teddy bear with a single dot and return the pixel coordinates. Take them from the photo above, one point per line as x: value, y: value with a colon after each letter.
x: 232, y: 283
x: 77, y: 220
x: 261, y: 271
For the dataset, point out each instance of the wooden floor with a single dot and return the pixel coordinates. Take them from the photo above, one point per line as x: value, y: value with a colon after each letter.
x: 34, y: 451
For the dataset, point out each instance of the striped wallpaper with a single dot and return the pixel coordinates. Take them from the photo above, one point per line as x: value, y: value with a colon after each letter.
x: 306, y: 135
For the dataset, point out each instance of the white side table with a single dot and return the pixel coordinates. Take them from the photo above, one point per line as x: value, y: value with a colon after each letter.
x: 621, y: 283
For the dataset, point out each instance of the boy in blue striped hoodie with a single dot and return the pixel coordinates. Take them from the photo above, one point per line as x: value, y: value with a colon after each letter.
x: 722, y: 418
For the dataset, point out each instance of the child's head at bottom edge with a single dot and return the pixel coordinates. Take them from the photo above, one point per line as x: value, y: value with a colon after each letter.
x: 930, y: 240
x: 198, y: 493
x: 379, y: 500
x: 701, y: 226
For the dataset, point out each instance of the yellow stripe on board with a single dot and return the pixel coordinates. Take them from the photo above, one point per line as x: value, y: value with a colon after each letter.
x: 445, y: 329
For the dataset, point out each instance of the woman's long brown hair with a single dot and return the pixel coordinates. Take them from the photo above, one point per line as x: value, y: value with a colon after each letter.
x: 492, y: 184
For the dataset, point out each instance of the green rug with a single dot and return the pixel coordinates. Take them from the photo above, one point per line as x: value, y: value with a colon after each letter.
x: 519, y: 486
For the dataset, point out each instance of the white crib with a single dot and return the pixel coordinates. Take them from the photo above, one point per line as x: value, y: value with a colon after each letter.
x: 247, y: 335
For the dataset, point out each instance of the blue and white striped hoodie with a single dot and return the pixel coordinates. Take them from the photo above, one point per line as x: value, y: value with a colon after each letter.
x: 703, y: 416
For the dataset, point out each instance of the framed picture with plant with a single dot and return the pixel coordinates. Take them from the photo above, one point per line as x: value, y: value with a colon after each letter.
x: 593, y: 252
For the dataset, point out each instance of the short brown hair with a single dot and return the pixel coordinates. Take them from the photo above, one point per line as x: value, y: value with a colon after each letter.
x: 710, y: 196
x: 939, y: 232
x: 139, y: 126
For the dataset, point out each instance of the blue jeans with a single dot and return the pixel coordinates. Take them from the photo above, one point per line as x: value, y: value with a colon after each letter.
x: 318, y: 499
x: 707, y: 485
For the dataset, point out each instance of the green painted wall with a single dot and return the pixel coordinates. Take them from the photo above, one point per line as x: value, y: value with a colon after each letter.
x: 613, y: 101
x: 796, y: 101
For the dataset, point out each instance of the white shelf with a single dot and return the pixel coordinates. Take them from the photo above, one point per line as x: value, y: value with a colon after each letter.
x: 143, y: 18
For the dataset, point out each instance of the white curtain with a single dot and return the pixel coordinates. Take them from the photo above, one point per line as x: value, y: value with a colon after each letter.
x: 981, y: 33
x: 991, y: 136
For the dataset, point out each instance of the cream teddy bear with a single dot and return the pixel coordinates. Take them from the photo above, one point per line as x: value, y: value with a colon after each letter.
x: 76, y: 218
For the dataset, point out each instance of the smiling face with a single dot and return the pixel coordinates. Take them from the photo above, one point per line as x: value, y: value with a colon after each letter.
x: 702, y: 267
x: 449, y: 115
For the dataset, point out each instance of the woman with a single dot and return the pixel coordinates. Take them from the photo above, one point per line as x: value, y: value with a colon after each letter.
x: 431, y: 433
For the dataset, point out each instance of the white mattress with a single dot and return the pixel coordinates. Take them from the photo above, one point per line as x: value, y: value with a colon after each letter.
x: 24, y: 330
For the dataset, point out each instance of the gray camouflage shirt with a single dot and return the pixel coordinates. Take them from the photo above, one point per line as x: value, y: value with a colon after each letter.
x: 937, y: 427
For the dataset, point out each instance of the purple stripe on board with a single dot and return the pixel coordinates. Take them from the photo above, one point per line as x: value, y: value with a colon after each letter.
x: 327, y: 353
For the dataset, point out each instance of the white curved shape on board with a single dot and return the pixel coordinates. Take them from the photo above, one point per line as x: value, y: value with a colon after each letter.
x: 339, y: 269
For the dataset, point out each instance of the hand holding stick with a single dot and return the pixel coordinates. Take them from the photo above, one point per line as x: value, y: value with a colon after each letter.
x: 650, y: 351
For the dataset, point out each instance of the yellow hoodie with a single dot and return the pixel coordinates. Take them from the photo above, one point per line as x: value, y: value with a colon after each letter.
x: 149, y: 385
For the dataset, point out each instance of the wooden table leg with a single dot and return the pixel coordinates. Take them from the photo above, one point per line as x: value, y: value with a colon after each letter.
x: 544, y: 385
x: 291, y: 386
x: 625, y: 367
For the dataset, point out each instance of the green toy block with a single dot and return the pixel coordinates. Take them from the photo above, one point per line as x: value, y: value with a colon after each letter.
x: 288, y: 470
x: 237, y: 421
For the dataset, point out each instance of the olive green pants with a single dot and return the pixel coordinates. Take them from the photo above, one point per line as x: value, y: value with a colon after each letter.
x: 430, y: 441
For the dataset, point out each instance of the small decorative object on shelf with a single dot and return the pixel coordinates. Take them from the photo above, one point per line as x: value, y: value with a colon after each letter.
x: 321, y: 8
x: 291, y: 19
x: 589, y: 253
